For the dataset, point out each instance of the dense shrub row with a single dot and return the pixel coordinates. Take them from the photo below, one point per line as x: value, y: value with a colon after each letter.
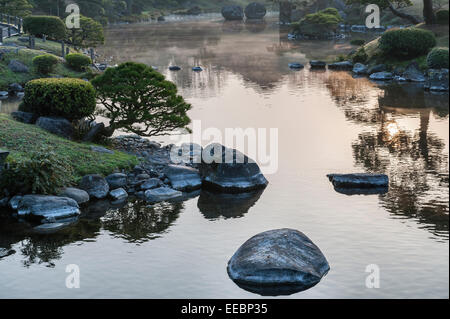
x: 72, y: 99
x: 410, y: 42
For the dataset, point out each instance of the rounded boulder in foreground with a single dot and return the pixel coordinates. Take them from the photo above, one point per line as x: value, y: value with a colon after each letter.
x: 255, y: 10
x: 278, y: 262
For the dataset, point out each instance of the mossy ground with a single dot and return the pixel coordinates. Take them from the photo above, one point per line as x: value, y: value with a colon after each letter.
x: 20, y: 139
x: 26, y: 56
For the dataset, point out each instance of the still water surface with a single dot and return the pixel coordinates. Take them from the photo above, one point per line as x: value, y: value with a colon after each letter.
x: 327, y: 122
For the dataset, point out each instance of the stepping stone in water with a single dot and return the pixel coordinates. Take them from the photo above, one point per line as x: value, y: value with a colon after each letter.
x: 197, y: 69
x: 174, y: 68
x: 360, y: 180
x: 296, y: 66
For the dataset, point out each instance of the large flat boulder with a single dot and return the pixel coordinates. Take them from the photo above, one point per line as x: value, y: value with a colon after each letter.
x: 161, y: 194
x: 48, y: 208
x: 56, y: 125
x: 359, y: 180
x: 233, y: 12
x: 183, y: 178
x: 277, y: 262
x: 95, y: 185
x: 228, y: 170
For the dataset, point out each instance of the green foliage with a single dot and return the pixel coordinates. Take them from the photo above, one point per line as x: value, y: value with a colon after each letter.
x: 360, y: 56
x: 22, y: 140
x: 78, y: 61
x: 51, y: 26
x: 45, y: 63
x: 42, y: 172
x: 383, y: 4
x: 19, y: 8
x: 358, y: 42
x: 68, y: 98
x: 341, y: 58
x: 438, y: 58
x: 90, y: 33
x: 410, y: 42
x: 138, y: 99
x: 320, y: 24
x: 442, y: 17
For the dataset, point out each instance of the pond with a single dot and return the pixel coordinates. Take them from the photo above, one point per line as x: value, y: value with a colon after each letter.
x: 327, y: 122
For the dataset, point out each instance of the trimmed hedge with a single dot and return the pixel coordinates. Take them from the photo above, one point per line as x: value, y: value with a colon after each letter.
x: 45, y: 63
x: 78, y: 61
x: 410, y: 42
x: 72, y: 99
x: 51, y: 26
x: 442, y: 17
x: 320, y: 24
x: 438, y: 58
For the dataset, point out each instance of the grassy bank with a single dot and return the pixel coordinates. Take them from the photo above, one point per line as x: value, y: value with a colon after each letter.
x: 21, y: 139
x: 26, y: 56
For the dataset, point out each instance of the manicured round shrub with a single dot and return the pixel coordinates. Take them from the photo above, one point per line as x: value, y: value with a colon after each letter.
x: 321, y: 24
x: 45, y: 63
x: 78, y: 61
x: 72, y: 99
x: 438, y: 58
x: 442, y: 17
x: 410, y: 42
x: 52, y: 27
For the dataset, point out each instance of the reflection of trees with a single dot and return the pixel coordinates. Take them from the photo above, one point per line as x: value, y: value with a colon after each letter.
x: 414, y: 158
x: 134, y: 222
x: 222, y: 205
x: 140, y: 222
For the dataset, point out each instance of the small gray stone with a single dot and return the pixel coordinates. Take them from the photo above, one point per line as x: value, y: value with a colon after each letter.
x: 316, y: 64
x: 118, y: 194
x: 382, y: 76
x: 344, y: 65
x: 183, y: 178
x: 151, y: 183
x: 413, y: 74
x: 14, y: 201
x: 116, y: 180
x: 360, y: 69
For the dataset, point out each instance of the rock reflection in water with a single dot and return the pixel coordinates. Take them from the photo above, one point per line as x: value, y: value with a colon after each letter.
x: 222, y: 205
x: 414, y: 158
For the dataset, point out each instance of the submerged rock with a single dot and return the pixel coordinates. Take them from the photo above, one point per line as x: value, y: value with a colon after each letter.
x: 183, y: 178
x: 51, y: 228
x: 95, y: 185
x: 162, y: 194
x: 227, y: 170
x: 361, y: 191
x: 233, y: 12
x: 79, y: 195
x: 343, y: 66
x: 48, y: 208
x: 255, y: 10
x: 278, y: 262
x: 361, y: 180
x: 381, y: 76
x: 315, y: 64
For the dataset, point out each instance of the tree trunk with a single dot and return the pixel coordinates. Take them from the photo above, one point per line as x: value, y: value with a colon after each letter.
x: 403, y: 15
x: 428, y: 13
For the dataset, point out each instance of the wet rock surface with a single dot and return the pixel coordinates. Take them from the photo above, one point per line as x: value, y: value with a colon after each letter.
x: 278, y: 262
x: 360, y: 180
x: 95, y: 185
x: 183, y: 178
x: 162, y: 194
x: 47, y: 208
x: 79, y: 195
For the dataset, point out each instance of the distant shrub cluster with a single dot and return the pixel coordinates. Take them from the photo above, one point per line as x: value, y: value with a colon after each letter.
x: 45, y: 63
x: 72, y: 99
x: 320, y: 24
x: 52, y: 27
x: 438, y: 58
x: 410, y: 42
x: 78, y: 61
x: 442, y: 17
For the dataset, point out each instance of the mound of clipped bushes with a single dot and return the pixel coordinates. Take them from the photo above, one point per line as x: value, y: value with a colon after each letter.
x: 72, y: 99
x: 45, y: 63
x: 410, y: 42
x: 438, y: 58
x: 321, y: 24
x: 78, y: 61
x: 52, y: 27
x: 442, y: 17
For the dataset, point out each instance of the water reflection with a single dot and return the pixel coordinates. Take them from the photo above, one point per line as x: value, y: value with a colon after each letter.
x: 397, y: 141
x: 216, y: 205
x: 134, y: 221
